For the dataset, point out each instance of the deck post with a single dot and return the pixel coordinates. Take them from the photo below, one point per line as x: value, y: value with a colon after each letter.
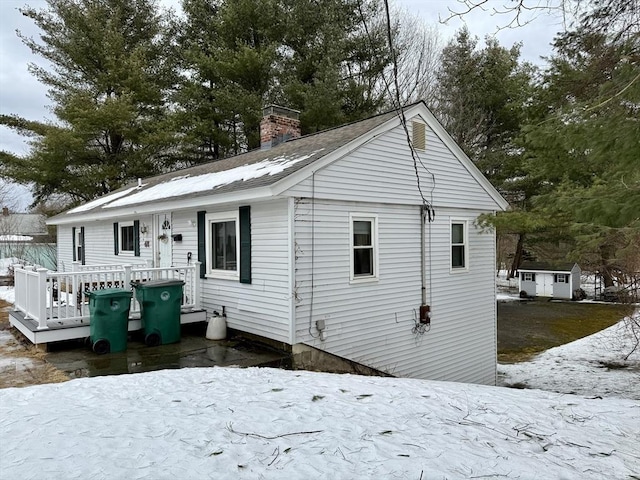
x: 18, y: 287
x: 75, y: 267
x: 196, y: 285
x: 127, y: 276
x: 41, y: 305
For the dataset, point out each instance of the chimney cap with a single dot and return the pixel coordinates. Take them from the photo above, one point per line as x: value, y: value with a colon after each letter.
x: 274, y: 109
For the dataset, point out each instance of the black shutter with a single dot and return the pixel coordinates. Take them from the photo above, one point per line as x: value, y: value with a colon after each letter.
x: 245, y: 244
x: 533, y: 277
x: 82, y: 256
x: 202, y: 247
x: 73, y: 243
x: 115, y: 238
x: 136, y: 238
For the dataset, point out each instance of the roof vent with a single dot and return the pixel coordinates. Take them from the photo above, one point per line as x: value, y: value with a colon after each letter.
x: 419, y: 139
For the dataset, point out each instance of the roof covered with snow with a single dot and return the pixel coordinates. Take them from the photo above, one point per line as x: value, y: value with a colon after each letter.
x: 254, y: 169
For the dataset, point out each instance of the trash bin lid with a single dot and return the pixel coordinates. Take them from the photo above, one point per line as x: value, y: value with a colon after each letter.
x: 165, y: 282
x: 109, y: 292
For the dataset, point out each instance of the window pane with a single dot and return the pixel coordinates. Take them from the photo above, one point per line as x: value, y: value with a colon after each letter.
x: 457, y: 256
x: 457, y: 233
x: 361, y: 233
x: 224, y: 245
x: 126, y: 238
x: 363, y: 261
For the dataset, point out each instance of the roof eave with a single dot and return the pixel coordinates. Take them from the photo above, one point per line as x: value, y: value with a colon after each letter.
x: 170, y: 204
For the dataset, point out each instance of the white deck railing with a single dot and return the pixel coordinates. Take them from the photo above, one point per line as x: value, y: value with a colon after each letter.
x: 59, y: 297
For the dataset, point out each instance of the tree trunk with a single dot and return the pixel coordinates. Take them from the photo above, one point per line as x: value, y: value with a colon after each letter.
x: 517, y: 257
x: 607, y: 278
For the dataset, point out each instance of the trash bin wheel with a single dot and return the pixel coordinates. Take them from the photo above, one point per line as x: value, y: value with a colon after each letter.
x: 102, y: 346
x: 153, y: 339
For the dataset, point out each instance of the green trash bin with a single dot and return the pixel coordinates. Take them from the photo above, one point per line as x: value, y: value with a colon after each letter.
x: 109, y: 313
x: 160, y: 302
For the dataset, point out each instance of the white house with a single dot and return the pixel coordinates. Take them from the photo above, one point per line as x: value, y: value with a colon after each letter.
x: 340, y: 242
x: 542, y: 279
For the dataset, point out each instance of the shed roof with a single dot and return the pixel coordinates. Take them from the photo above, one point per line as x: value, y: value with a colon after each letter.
x: 547, y: 266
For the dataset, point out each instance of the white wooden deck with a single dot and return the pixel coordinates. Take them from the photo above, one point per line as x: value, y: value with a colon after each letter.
x: 51, y: 306
x: 59, y: 330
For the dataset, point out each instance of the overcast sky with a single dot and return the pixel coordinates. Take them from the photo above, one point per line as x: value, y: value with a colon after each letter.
x: 21, y: 94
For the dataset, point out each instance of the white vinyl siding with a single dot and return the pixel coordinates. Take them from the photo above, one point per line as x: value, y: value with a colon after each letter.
x: 382, y: 171
x: 261, y: 307
x: 98, y: 244
x: 372, y: 323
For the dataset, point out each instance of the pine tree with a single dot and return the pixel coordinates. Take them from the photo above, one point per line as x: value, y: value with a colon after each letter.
x: 109, y: 77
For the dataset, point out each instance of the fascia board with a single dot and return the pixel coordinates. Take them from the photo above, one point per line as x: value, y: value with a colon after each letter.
x: 450, y: 143
x: 173, y: 205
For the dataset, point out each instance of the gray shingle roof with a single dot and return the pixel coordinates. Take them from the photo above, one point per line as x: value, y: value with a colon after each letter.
x: 547, y: 266
x: 313, y: 147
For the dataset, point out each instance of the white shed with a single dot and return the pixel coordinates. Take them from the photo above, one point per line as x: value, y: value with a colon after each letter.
x: 557, y: 280
x: 326, y: 242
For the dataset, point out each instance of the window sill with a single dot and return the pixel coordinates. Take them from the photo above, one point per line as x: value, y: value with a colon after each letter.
x: 458, y: 270
x: 364, y: 280
x: 125, y: 253
x: 223, y: 276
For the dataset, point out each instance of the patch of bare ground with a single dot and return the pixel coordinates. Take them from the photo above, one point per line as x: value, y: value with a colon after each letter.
x: 21, y: 363
x: 528, y: 328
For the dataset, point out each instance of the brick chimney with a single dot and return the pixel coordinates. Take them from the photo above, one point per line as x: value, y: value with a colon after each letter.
x: 278, y: 125
x: 5, y: 212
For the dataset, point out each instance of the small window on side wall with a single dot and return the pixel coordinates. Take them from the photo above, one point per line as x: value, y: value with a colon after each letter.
x: 459, y: 245
x: 126, y: 238
x: 364, y: 247
x: 529, y: 277
x: 562, y: 278
x: 77, y: 234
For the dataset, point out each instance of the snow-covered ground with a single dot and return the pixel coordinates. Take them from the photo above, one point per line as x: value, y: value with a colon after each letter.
x: 592, y: 366
x: 8, y: 294
x: 272, y: 424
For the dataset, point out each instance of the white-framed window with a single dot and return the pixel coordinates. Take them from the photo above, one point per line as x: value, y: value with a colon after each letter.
x: 78, y: 244
x: 529, y: 277
x: 363, y: 240
x: 222, y: 238
x: 562, y: 278
x: 459, y: 246
x: 126, y: 238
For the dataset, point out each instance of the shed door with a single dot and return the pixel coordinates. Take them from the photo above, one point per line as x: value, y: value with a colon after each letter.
x: 544, y: 285
x: 164, y: 241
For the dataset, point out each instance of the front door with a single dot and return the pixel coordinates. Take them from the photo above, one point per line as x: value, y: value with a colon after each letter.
x: 164, y: 241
